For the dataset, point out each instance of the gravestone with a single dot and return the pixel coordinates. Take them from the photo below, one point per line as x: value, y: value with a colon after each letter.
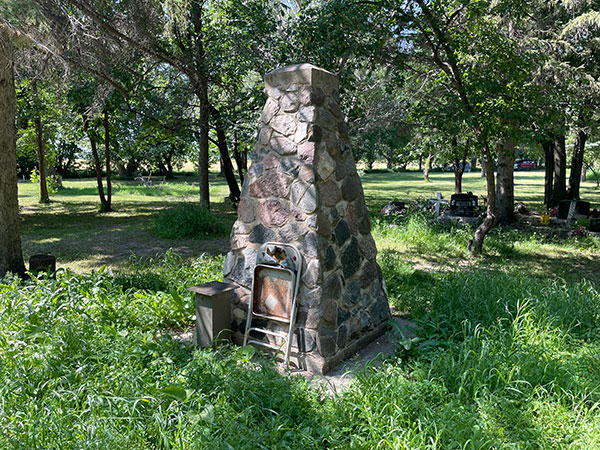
x: 463, y: 205
x: 302, y: 188
x: 42, y: 262
x: 569, y: 209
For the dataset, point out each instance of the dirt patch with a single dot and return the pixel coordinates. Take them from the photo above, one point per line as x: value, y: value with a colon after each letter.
x: 113, y: 246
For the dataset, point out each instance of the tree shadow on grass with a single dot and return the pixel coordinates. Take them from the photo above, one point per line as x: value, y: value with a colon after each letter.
x: 78, y: 233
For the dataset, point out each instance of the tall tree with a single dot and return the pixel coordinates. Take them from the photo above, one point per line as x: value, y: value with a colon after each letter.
x: 187, y: 35
x: 481, y: 68
x: 11, y: 255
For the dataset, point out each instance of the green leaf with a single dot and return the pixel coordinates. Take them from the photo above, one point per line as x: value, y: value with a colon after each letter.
x: 176, y: 392
x: 246, y: 353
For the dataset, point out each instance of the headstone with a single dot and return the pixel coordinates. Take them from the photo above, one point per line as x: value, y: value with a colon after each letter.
x: 463, y: 205
x: 42, y: 263
x: 393, y: 208
x: 580, y: 209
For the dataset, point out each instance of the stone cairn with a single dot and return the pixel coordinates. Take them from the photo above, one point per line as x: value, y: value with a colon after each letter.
x: 302, y: 188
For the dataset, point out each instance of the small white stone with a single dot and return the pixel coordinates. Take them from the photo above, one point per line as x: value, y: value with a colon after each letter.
x: 273, y: 93
x: 289, y: 102
x: 308, y: 203
x: 264, y: 135
x: 298, y: 189
x: 271, y: 108
x: 301, y: 132
x: 239, y: 314
x: 228, y: 264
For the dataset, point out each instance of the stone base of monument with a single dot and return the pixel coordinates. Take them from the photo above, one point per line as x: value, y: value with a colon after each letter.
x: 312, y: 361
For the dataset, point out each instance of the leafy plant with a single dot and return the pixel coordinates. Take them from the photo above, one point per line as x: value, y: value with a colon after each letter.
x: 52, y: 182
x: 187, y: 221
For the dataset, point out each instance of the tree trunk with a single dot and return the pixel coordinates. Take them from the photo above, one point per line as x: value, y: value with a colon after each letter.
x: 121, y: 169
x: 560, y: 170
x: 41, y: 155
x: 473, y: 164
x: 169, y: 162
x: 203, y: 146
x: 505, y: 185
x: 548, y: 147
x: 107, y: 159
x: 483, y: 172
x: 238, y: 159
x: 234, y: 190
x: 583, y: 174
x: 11, y: 255
x: 476, y: 244
x: 458, y: 176
x: 200, y: 84
x: 97, y: 165
x: 420, y: 163
x: 459, y: 167
x: 577, y: 163
x: 221, y: 169
x: 427, y: 167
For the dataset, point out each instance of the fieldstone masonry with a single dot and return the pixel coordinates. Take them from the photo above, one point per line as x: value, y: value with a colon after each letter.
x: 302, y: 188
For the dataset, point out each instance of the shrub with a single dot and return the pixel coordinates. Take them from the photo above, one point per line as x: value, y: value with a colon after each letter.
x: 188, y: 221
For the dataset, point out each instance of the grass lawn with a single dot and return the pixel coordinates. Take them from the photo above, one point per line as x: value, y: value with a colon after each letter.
x: 507, y: 353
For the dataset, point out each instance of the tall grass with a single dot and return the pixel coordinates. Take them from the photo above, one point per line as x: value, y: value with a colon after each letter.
x: 501, y: 361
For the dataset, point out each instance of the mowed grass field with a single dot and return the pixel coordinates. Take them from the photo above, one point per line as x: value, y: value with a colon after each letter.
x: 507, y: 352
x: 72, y: 228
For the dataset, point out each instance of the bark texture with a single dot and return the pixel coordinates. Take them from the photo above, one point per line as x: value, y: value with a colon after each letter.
x: 11, y: 255
x: 559, y: 191
x: 200, y: 84
x: 577, y: 163
x: 476, y: 244
x: 505, y: 184
x: 548, y: 147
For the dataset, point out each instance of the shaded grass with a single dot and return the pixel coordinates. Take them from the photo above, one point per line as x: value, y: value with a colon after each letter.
x: 72, y: 228
x: 188, y: 221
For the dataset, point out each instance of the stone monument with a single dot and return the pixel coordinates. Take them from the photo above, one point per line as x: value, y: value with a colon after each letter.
x: 302, y: 188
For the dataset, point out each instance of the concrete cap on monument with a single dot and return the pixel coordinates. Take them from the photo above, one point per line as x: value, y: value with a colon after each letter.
x: 302, y: 74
